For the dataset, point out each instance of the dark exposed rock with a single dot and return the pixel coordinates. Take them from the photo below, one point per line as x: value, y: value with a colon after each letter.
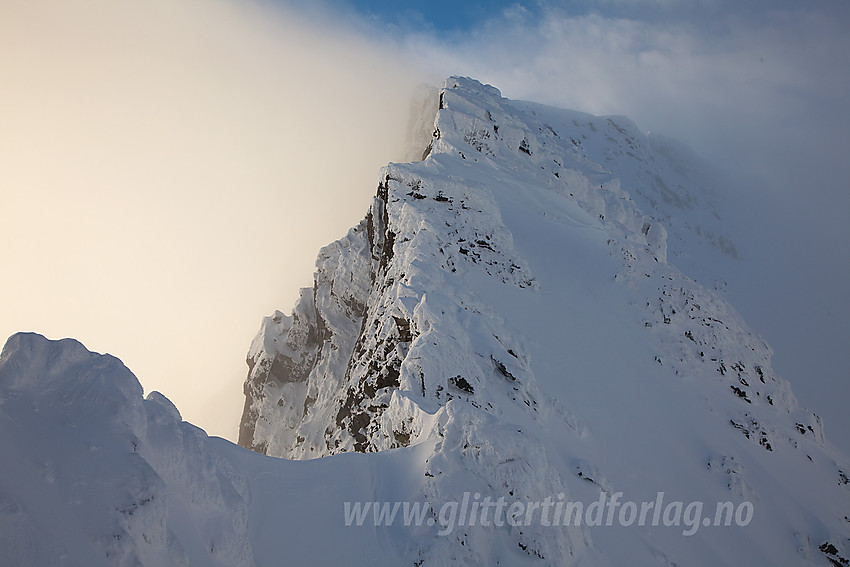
x: 461, y: 383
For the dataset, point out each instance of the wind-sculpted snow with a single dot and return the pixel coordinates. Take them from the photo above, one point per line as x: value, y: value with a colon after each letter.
x: 96, y: 475
x: 507, y: 309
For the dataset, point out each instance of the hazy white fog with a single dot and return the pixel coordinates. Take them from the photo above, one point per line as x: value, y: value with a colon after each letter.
x: 169, y: 169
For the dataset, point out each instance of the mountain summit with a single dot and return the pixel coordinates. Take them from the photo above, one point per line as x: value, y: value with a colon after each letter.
x: 510, y: 311
x: 504, y: 363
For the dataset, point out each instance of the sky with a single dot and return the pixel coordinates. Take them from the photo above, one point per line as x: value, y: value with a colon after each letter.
x: 169, y: 170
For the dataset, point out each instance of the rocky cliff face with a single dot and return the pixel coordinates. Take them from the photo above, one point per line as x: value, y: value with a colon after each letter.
x: 338, y: 358
x: 507, y: 309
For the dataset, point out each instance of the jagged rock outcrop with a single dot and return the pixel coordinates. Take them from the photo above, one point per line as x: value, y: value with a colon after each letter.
x: 429, y: 326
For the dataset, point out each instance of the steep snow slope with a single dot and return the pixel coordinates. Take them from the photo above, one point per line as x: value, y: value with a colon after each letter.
x: 507, y: 304
x: 663, y: 178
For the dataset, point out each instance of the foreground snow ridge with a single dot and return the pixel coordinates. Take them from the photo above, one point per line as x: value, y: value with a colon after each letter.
x: 502, y: 364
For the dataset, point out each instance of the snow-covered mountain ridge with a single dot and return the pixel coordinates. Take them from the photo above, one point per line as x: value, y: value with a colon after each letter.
x: 94, y: 474
x: 509, y: 323
x: 512, y: 261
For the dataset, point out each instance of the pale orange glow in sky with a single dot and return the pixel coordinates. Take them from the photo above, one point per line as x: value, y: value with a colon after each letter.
x: 168, y: 172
